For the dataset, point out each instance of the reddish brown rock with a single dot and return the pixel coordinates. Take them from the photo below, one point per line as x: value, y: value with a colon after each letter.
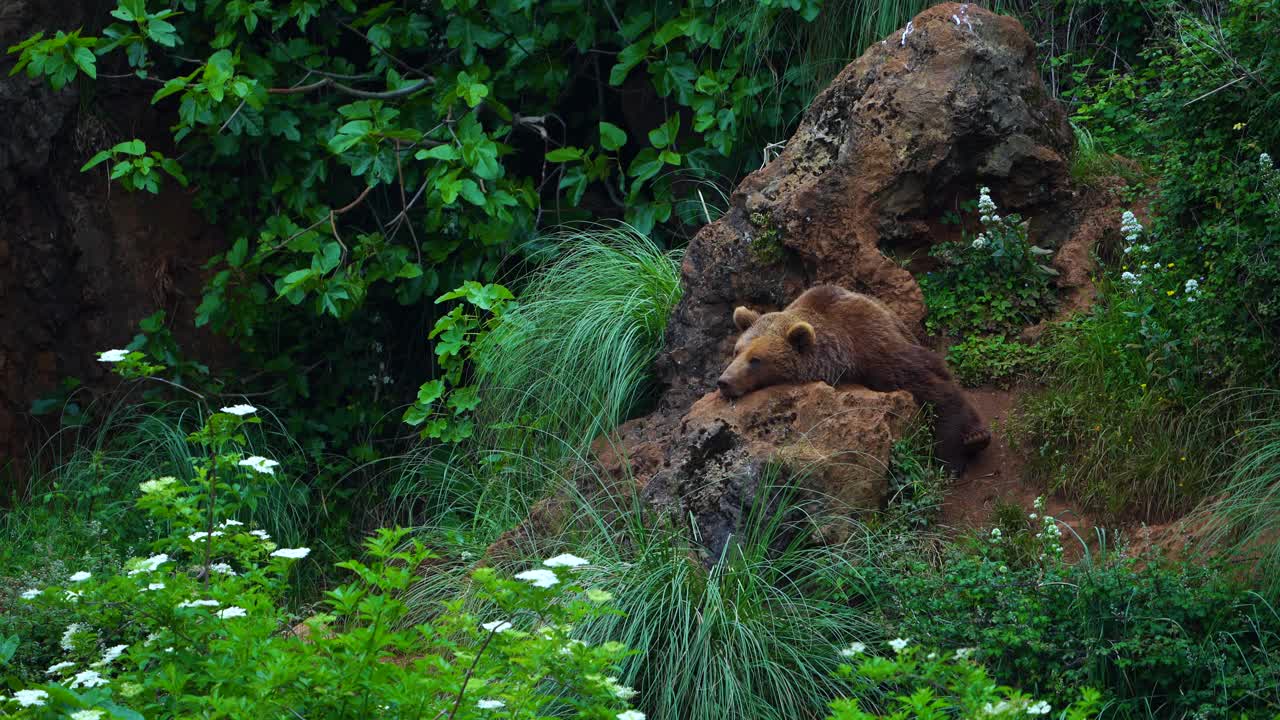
x: 828, y: 447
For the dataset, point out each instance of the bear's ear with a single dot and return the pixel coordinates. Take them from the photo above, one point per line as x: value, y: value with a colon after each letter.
x: 801, y: 336
x: 744, y: 317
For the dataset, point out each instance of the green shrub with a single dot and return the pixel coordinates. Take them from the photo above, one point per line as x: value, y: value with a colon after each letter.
x: 200, y: 627
x: 914, y: 685
x: 995, y: 360
x: 995, y: 283
x: 1159, y: 640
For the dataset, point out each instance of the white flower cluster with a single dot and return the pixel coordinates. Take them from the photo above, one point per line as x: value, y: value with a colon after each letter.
x: 986, y: 206
x: 1049, y: 535
x: 1191, y: 289
x: 151, y: 564
x: 980, y: 242
x: 1265, y: 161
x: 996, y: 535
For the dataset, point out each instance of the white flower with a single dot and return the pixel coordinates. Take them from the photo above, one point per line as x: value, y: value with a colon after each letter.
x: 113, y: 355
x: 156, y: 485
x: 110, y: 656
x: 88, y: 678
x: 31, y: 594
x: 156, y: 586
x: 73, y: 596
x: 1264, y: 160
x: 1038, y: 503
x: 996, y: 709
x: 1130, y: 278
x: 898, y: 644
x: 69, y: 634
x: 260, y: 464
x: 490, y: 704
x: 195, y: 536
x: 620, y: 691
x: 199, y: 603
x: 539, y: 578
x: 291, y: 553
x: 1192, y: 285
x: 979, y: 242
x: 964, y: 653
x: 55, y: 669
x: 995, y: 535
x: 80, y: 576
x: 1129, y: 226
x: 240, y: 410
x: 222, y: 569
x: 229, y: 523
x: 1033, y: 516
x: 497, y: 626
x: 86, y: 715
x: 30, y: 698
x: 630, y: 715
x: 260, y: 534
x: 150, y: 564
x: 854, y: 649
x: 986, y: 206
x: 565, y: 560
x: 1040, y: 708
x: 232, y: 612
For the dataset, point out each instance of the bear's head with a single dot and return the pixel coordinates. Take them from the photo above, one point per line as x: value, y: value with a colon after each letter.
x: 773, y: 348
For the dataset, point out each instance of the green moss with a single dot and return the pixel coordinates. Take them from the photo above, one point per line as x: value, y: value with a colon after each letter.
x: 766, y: 244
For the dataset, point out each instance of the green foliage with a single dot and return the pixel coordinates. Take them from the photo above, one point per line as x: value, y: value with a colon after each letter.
x: 190, y: 629
x: 1218, y: 204
x: 917, y: 482
x: 1109, y: 430
x: 995, y: 360
x: 996, y: 283
x: 361, y: 158
x: 1159, y: 641
x: 135, y: 168
x: 572, y: 359
x: 445, y: 403
x: 912, y: 685
x: 57, y: 58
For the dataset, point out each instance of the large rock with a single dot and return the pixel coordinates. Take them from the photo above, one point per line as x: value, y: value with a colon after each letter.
x: 81, y: 261
x: 899, y: 139
x: 813, y: 447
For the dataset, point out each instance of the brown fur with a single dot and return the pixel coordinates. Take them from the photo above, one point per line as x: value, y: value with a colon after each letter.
x: 833, y: 335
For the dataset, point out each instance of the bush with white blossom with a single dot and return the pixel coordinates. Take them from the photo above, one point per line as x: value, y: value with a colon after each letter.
x: 199, y: 625
x: 906, y: 682
x: 998, y: 282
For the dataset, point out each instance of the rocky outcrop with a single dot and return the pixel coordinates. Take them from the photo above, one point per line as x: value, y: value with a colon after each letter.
x: 81, y: 262
x: 818, y: 449
x: 895, y: 144
x: 898, y: 141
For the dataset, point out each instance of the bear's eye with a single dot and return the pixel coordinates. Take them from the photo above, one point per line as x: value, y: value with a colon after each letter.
x: 754, y: 362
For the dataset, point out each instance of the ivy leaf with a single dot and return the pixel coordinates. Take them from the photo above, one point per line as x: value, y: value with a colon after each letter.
x: 284, y: 124
x: 665, y: 134
x: 85, y: 60
x: 630, y: 56
x: 564, y: 154
x: 349, y: 135
x: 612, y: 137
x: 439, y: 152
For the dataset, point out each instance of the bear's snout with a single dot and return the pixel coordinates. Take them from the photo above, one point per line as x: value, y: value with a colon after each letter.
x: 726, y: 390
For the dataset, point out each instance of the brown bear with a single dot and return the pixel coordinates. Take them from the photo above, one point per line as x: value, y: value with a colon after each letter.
x: 833, y: 335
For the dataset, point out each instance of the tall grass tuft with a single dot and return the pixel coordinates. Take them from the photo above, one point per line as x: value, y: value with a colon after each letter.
x: 1110, y: 432
x: 755, y: 635
x: 1243, y: 520
x: 572, y: 359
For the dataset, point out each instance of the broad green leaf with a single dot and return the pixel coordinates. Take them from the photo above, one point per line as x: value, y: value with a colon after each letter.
x: 612, y: 137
